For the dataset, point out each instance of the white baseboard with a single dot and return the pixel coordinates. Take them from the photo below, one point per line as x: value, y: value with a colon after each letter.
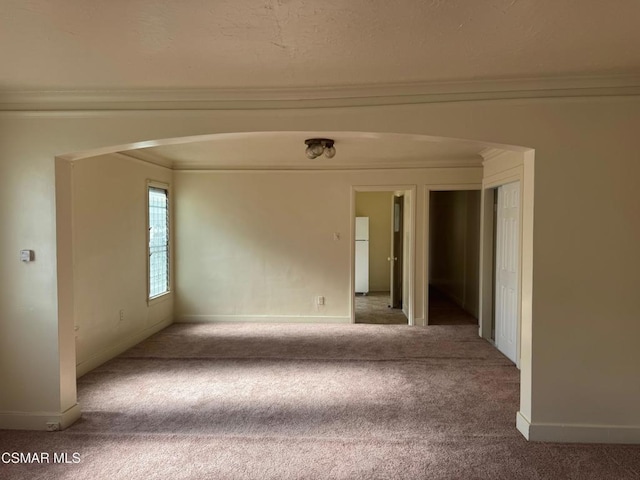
x: 115, y: 350
x: 261, y: 319
x: 51, y: 421
x: 419, y: 322
x: 523, y: 424
x: 577, y: 433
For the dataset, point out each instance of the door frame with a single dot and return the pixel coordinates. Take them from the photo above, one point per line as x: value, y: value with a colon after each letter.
x: 397, y: 251
x: 409, y: 192
x: 487, y: 258
x: 502, y: 168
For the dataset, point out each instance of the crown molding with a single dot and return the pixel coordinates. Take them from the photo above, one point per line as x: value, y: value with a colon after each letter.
x: 461, y: 162
x: 160, y: 161
x: 147, y: 157
x: 318, y: 97
x: 153, y: 158
x: 490, y: 153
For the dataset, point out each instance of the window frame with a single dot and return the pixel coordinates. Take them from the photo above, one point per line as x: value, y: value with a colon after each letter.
x: 166, y: 187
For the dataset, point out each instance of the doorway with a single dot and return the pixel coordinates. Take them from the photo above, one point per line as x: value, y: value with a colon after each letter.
x: 503, y: 279
x: 382, y: 236
x: 454, y: 254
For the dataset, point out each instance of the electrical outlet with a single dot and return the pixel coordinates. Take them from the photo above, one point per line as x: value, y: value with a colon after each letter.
x: 121, y: 315
x: 27, y: 255
x: 320, y: 300
x: 53, y: 426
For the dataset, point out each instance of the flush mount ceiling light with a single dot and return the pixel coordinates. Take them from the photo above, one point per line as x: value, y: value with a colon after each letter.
x: 318, y: 146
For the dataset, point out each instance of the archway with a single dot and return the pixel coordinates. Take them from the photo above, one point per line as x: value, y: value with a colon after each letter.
x: 425, y: 173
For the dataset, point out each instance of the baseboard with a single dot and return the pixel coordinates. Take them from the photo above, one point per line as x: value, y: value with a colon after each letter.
x: 471, y: 312
x: 449, y: 294
x: 261, y: 319
x: 577, y: 433
x: 523, y: 424
x: 47, y: 421
x: 121, y: 347
x: 419, y: 322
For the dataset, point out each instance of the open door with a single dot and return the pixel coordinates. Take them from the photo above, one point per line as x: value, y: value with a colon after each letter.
x: 397, y: 251
x: 507, y: 259
x: 391, y: 250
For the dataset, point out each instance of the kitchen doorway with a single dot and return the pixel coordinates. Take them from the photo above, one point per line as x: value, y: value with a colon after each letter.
x: 382, y: 237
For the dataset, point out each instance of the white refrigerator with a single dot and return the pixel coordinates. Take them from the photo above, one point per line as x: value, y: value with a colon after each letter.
x: 362, y: 255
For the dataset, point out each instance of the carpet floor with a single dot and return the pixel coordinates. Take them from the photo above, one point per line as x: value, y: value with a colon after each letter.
x: 202, y: 401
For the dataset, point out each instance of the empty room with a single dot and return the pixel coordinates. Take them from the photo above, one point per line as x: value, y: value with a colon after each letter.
x: 289, y: 240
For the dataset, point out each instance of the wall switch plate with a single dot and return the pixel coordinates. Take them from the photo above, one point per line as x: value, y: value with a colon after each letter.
x: 27, y: 255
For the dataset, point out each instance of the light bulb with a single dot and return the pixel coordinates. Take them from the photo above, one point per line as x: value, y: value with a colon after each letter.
x: 309, y: 153
x: 317, y: 149
x: 318, y: 146
x: 330, y: 152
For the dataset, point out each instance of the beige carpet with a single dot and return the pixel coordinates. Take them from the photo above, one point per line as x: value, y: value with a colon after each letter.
x: 308, y: 402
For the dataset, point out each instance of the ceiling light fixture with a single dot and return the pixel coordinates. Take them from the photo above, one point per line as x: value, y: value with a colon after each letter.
x: 318, y: 146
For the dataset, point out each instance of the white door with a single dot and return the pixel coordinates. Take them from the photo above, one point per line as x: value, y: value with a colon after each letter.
x: 507, y: 301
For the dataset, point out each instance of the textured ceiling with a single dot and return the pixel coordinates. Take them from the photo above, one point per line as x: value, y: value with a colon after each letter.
x: 248, y: 44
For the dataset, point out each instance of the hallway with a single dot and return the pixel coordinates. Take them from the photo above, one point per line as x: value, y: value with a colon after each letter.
x: 444, y: 311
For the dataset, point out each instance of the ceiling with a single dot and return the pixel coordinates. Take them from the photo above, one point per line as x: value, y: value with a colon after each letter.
x: 286, y: 150
x: 248, y: 44
x: 122, y: 50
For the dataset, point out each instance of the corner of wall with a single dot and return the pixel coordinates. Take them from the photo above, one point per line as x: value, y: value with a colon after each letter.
x: 114, y: 350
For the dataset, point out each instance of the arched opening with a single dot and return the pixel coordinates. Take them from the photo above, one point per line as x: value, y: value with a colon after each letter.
x: 257, y: 227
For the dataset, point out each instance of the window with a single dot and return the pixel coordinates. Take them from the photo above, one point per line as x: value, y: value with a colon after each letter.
x: 158, y: 215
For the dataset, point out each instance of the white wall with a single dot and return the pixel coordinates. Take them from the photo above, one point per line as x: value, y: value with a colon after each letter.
x: 377, y: 206
x: 260, y: 245
x: 472, y: 254
x: 582, y: 375
x: 110, y: 258
x: 454, y: 229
